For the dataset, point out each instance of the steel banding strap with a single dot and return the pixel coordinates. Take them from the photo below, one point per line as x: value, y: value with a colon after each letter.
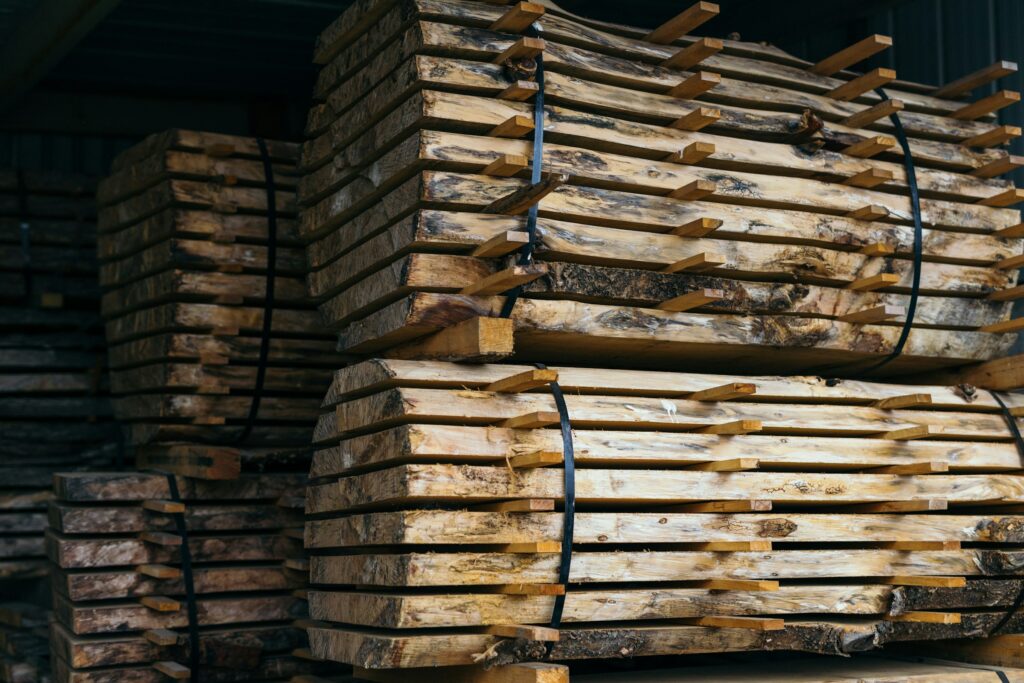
x: 186, y: 575
x: 1011, y: 423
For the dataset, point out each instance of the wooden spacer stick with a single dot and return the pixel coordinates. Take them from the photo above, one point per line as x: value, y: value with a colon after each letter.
x: 928, y: 581
x: 522, y: 505
x: 986, y: 105
x: 1010, y: 263
x: 178, y: 672
x: 683, y: 23
x: 877, y: 249
x: 1010, y: 294
x: 698, y: 227
x: 997, y: 136
x: 1011, y: 232
x: 167, y: 507
x: 518, y: 17
x: 873, y: 315
x: 868, y: 116
x: 506, y: 165
x: 1004, y: 164
x: 158, y: 571
x: 731, y: 465
x: 753, y: 623
x: 869, y: 213
x: 693, y: 54
x: 926, y: 617
x: 535, y: 633
x: 694, y: 85
x: 870, y: 177
x: 697, y: 119
x: 502, y: 244
x: 522, y: 199
x: 731, y: 546
x: 686, y: 302
x: 869, y: 284
x: 869, y: 147
x: 971, y: 81
x: 716, y: 506
x: 903, y: 401
x: 696, y: 263
x: 693, y: 153
x: 524, y: 48
x: 504, y: 280
x: 930, y: 467
x: 160, y: 538
x: 1003, y: 199
x: 160, y: 603
x: 536, y: 547
x: 523, y: 381
x: 724, y: 392
x: 513, y: 127
x: 161, y: 637
x: 519, y: 91
x: 851, y: 90
x: 892, y: 506
x: 692, y: 191
x: 526, y: 461
x: 753, y: 585
x: 732, y: 428
x: 535, y: 420
x: 921, y: 545
x: 1004, y: 327
x: 910, y: 433
x: 526, y: 589
x: 851, y: 55
x: 477, y: 339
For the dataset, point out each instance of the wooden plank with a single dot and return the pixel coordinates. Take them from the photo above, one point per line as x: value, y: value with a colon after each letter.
x: 965, y: 84
x: 851, y: 55
x: 685, y: 22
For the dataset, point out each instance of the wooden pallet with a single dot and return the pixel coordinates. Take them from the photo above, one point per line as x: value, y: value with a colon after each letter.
x: 681, y: 218
x: 119, y: 594
x: 184, y: 248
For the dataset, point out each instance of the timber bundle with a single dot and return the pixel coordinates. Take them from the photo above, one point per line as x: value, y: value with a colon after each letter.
x: 24, y: 645
x: 53, y: 386
x: 217, y: 360
x: 121, y: 605
x: 714, y: 514
x: 513, y: 185
x: 699, y: 200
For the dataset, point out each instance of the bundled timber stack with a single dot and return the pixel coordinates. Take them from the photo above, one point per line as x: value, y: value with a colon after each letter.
x: 53, y: 389
x: 700, y: 201
x: 217, y: 360
x: 123, y: 611
x: 712, y: 514
x: 24, y: 645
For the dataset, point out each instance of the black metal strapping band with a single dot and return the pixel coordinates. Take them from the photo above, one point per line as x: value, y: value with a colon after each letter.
x: 569, y: 514
x: 25, y: 234
x: 526, y: 252
x: 186, y: 576
x: 1011, y: 423
x: 268, y: 301
x: 915, y: 207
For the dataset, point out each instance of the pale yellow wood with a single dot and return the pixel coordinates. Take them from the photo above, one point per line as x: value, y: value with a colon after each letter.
x: 926, y: 617
x: 696, y: 263
x: 167, y: 507
x: 903, y: 401
x: 523, y: 381
x: 871, y: 212
x: 160, y: 538
x: 527, y: 589
x: 504, y: 280
x: 752, y: 623
x: 917, y: 432
x: 509, y: 673
x: 693, y: 153
x: 161, y: 637
x: 159, y: 571
x: 851, y: 55
x: 725, y: 392
x: 758, y: 585
x: 869, y: 147
x: 477, y: 338
x: 538, y: 633
x: 731, y: 546
x: 735, y: 465
x: 534, y: 420
x: 1011, y: 294
x: 524, y: 505
x: 851, y: 90
x: 513, y: 127
x: 519, y: 91
x: 920, y: 545
x: 870, y: 177
x: 160, y: 603
x: 929, y: 581
x: 934, y: 467
x: 999, y: 166
x: 900, y: 506
x: 534, y: 547
x: 997, y: 136
x: 878, y: 249
x: 720, y: 506
x: 538, y: 459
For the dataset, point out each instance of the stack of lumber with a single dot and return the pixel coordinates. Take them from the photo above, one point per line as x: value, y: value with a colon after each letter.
x: 190, y: 264
x: 53, y: 395
x: 714, y: 513
x: 24, y: 646
x: 120, y: 601
x: 711, y: 203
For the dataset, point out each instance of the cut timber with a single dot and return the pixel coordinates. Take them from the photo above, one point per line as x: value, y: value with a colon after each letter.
x: 524, y: 48
x: 523, y: 381
x: 506, y: 165
x: 505, y: 280
x: 521, y: 200
x: 869, y: 147
x: 752, y: 623
x: 851, y: 90
x: 871, y: 177
x: 851, y: 55
x: 1005, y: 327
x: 480, y: 339
x: 874, y: 282
x: 997, y: 136
x: 699, y: 118
x: 686, y: 302
x: 965, y: 84
x: 513, y: 127
x: 870, y: 316
x: 502, y: 244
x: 683, y: 23
x: 518, y: 17
x: 693, y: 153
x: 1000, y: 166
x: 693, y: 54
x: 1007, y: 198
x: 866, y: 117
x: 539, y: 633
x: 1001, y: 374
x: 926, y: 617
x: 987, y: 105
x: 520, y: 91
x: 694, y: 85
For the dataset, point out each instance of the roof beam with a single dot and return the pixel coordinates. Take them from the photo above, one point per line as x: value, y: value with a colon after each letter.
x: 42, y: 38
